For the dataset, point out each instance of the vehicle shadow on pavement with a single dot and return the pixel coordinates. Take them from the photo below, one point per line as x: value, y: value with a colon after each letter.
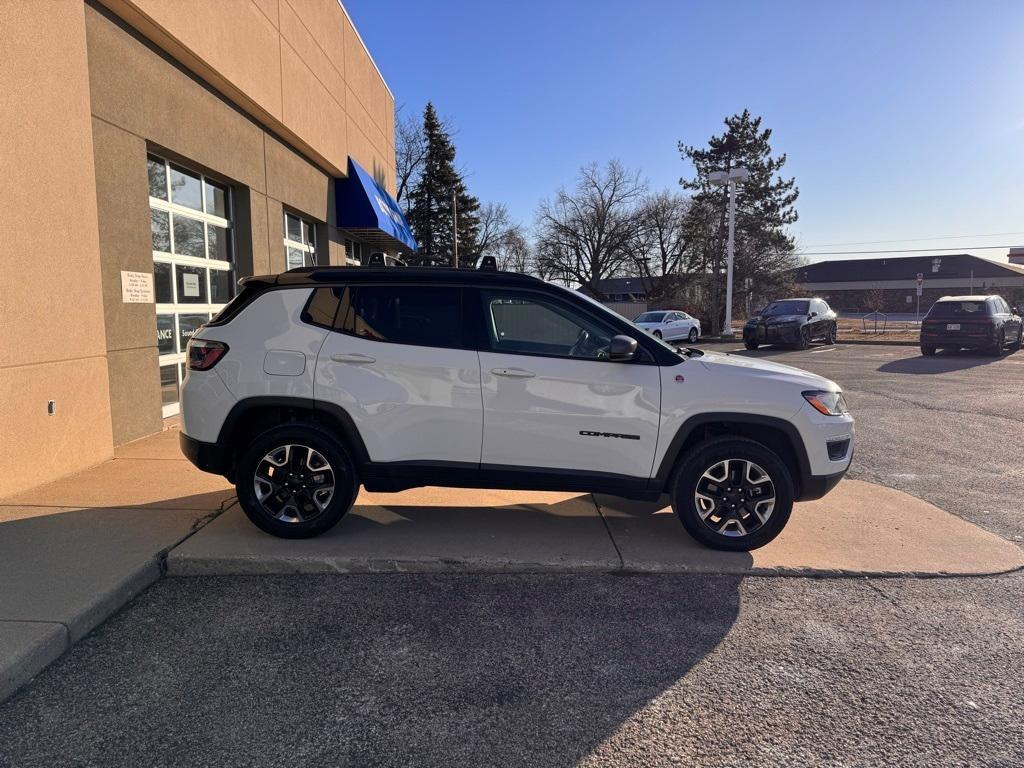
x: 424, y: 531
x: 941, y: 362
x: 427, y: 669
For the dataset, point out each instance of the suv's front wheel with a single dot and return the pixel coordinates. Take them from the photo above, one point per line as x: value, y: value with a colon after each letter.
x: 296, y: 481
x: 732, y: 494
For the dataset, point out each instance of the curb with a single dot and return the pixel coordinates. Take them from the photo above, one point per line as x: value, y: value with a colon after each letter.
x: 29, y: 647
x: 839, y: 342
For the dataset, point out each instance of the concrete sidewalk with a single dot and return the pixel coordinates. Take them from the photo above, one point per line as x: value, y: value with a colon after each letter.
x: 858, y: 529
x: 75, y: 551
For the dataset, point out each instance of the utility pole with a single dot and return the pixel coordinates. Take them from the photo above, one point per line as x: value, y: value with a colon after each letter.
x: 455, y: 232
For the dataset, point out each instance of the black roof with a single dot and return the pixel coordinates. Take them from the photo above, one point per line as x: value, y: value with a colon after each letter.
x: 376, y: 274
x: 905, y: 268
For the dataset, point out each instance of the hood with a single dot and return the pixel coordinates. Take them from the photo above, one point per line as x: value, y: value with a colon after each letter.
x: 736, y: 365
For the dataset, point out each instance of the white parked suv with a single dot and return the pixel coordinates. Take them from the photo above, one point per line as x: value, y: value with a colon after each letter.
x: 319, y: 380
x: 670, y: 325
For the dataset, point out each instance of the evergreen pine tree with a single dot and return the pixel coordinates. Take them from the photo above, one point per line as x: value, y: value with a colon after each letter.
x: 430, y: 202
x: 764, y: 207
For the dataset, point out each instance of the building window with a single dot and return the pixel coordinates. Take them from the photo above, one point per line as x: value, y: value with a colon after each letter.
x: 299, y: 242
x: 353, y: 253
x: 193, y: 262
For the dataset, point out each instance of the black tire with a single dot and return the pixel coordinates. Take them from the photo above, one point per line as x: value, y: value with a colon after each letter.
x: 736, y: 454
x: 749, y: 344
x: 804, y: 338
x: 832, y: 335
x: 657, y: 334
x: 692, y: 336
x: 996, y: 350
x: 1020, y: 340
x: 927, y: 351
x: 298, y: 511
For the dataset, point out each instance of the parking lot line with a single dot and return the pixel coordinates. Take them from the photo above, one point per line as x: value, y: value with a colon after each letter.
x: 824, y: 349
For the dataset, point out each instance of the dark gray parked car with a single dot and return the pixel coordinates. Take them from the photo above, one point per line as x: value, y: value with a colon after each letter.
x: 791, y: 321
x: 976, y: 322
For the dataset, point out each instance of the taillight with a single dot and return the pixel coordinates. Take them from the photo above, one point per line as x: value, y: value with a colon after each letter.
x: 203, y: 354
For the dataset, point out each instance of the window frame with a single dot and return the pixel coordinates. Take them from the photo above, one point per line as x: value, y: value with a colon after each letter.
x: 175, y: 308
x: 308, y: 249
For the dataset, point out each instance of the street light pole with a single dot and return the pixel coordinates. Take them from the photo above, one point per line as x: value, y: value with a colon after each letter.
x: 455, y: 232
x: 729, y: 179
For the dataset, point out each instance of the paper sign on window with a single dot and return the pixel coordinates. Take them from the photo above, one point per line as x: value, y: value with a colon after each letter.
x: 191, y: 284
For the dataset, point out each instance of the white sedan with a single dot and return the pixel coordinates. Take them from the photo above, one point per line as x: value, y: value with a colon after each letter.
x: 670, y: 325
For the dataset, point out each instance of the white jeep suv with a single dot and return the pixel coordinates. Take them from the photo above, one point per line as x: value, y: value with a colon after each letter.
x: 319, y: 380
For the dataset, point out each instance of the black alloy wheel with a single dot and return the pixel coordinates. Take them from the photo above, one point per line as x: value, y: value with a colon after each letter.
x: 833, y: 333
x: 804, y: 338
x: 296, y: 481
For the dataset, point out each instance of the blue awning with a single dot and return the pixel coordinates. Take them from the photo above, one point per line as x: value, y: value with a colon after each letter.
x: 365, y: 209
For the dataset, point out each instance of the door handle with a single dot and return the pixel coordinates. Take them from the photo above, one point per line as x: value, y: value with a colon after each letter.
x: 513, y: 373
x: 352, y: 357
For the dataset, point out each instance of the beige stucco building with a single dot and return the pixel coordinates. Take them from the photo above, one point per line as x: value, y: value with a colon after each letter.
x: 153, y: 153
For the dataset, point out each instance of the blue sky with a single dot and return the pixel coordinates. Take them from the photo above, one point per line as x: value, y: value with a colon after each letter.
x: 901, y: 119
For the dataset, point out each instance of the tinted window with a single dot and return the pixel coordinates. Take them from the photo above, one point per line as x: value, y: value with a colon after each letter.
x: 527, y: 323
x: 427, y: 316
x: 789, y: 307
x: 959, y: 309
x: 323, y: 306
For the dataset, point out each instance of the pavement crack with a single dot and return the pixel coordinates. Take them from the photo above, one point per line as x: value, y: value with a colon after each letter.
x: 600, y: 513
x: 878, y: 590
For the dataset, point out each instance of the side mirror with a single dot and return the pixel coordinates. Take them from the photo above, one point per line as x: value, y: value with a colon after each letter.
x: 813, y: 314
x: 622, y: 349
x: 1015, y: 310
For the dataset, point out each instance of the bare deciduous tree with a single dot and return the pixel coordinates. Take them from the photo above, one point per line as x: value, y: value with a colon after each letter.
x: 503, y: 238
x: 588, y: 234
x: 410, y: 152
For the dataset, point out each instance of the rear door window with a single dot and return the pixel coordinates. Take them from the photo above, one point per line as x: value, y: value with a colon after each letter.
x: 419, y: 315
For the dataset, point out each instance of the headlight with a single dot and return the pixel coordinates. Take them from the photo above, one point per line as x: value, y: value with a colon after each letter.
x: 828, y: 403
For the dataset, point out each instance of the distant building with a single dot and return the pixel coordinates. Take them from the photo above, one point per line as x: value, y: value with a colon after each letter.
x: 856, y: 285
x: 624, y: 289
x: 1016, y: 255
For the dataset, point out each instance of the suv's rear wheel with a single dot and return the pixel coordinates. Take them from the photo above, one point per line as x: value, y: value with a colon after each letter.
x: 732, y: 494
x: 996, y: 350
x: 296, y: 481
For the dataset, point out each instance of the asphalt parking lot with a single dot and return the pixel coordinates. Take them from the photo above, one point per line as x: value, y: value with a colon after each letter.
x: 948, y: 429
x: 507, y: 669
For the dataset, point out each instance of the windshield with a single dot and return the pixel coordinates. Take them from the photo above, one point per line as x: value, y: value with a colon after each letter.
x: 650, y: 317
x: 959, y: 309
x: 788, y: 307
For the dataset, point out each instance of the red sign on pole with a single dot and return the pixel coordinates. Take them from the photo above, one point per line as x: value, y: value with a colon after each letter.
x: 920, y: 278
